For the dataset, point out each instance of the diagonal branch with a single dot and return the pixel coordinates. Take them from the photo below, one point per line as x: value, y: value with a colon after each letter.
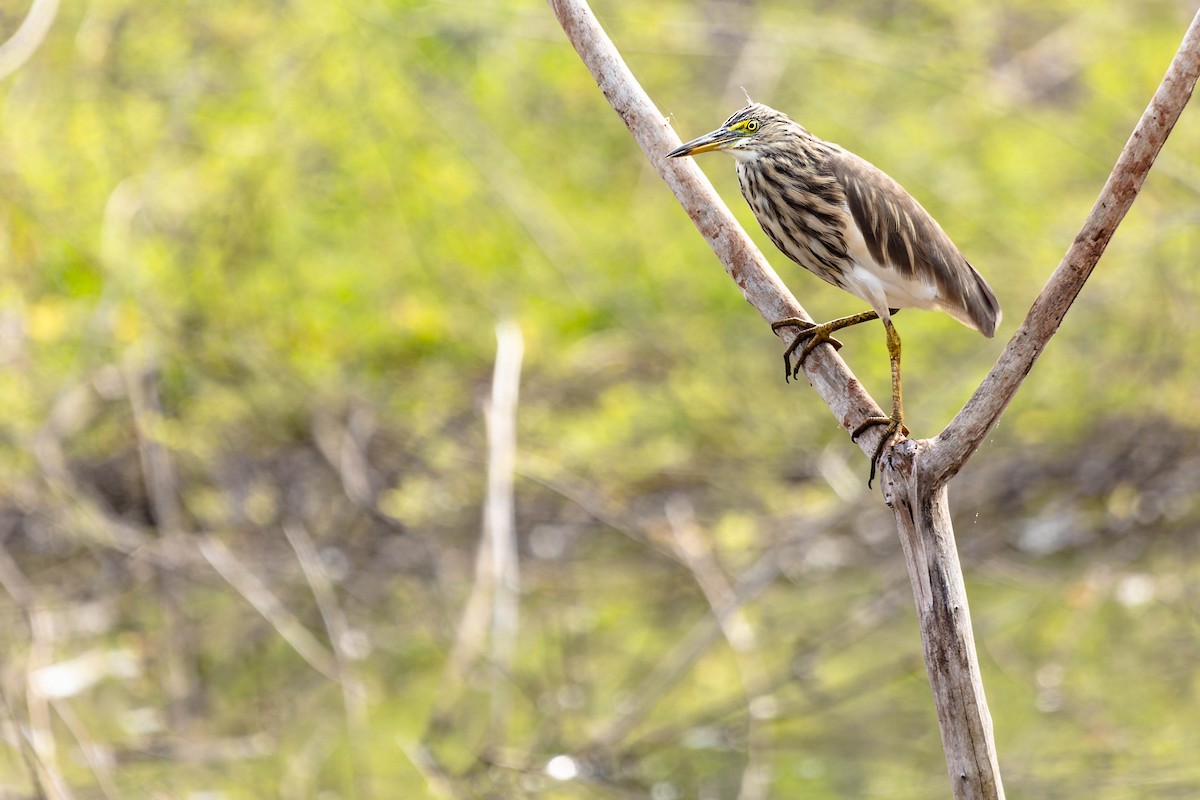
x: 954, y: 445
x: 744, y: 262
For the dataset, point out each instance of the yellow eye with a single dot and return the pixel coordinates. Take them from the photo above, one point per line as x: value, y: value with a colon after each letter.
x: 751, y: 125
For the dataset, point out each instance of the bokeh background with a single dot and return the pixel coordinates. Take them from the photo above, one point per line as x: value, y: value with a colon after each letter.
x: 252, y: 259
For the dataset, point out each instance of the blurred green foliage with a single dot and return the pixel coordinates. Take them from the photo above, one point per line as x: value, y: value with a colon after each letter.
x: 304, y: 216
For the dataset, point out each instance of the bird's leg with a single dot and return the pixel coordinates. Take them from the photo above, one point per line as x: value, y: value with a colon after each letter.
x: 811, y: 335
x: 894, y: 423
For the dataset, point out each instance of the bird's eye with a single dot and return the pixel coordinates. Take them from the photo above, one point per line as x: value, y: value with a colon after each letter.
x: 751, y: 125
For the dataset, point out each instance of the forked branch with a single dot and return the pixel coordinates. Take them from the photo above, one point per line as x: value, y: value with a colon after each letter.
x: 914, y: 478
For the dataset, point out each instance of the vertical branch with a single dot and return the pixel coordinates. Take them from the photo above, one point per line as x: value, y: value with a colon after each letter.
x: 494, y: 593
x: 500, y: 516
x: 926, y: 534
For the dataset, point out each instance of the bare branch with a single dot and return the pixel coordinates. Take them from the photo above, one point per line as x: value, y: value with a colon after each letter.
x: 954, y: 445
x: 927, y: 536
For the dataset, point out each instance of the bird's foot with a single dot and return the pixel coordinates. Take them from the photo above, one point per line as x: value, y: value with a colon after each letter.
x: 895, y: 424
x: 811, y: 334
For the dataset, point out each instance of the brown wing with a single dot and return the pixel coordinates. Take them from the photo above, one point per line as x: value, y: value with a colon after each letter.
x: 902, y: 235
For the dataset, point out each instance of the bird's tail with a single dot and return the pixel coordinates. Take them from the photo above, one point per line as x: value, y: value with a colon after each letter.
x: 978, y: 307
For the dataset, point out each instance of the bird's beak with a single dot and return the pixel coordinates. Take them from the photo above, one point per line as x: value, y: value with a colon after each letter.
x: 717, y: 140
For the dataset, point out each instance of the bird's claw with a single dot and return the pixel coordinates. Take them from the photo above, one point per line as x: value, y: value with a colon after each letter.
x: 811, y: 335
x: 894, y: 425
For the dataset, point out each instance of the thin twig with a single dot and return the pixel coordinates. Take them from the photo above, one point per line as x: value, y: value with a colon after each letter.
x: 345, y: 448
x: 249, y: 586
x: 354, y: 694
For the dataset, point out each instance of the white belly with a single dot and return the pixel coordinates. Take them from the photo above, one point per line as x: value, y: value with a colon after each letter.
x: 881, y: 286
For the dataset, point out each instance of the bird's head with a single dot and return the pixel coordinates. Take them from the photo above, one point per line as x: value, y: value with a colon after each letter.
x: 746, y: 135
